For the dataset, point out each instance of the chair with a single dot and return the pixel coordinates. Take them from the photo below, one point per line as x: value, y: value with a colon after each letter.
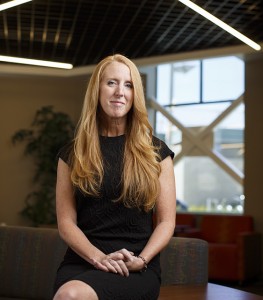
x: 234, y: 248
x: 185, y: 223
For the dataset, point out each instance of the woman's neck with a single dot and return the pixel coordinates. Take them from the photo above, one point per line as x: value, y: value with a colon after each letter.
x: 113, y: 128
x: 111, y: 133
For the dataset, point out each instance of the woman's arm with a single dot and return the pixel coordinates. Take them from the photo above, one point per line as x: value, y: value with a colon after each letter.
x: 67, y: 217
x: 165, y: 213
x: 70, y: 232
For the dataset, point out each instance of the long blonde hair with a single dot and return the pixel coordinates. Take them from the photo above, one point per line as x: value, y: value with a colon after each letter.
x: 141, y: 168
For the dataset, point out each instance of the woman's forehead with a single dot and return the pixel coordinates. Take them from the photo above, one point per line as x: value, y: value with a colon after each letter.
x: 118, y: 69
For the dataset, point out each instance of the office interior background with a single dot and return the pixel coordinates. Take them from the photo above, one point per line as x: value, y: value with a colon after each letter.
x: 193, y: 69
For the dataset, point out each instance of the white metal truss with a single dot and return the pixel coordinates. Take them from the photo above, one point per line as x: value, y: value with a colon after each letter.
x: 197, y: 139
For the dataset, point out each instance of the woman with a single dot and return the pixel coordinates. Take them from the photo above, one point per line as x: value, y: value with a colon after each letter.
x: 109, y: 181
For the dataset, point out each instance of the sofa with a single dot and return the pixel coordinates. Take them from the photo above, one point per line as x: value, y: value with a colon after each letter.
x: 234, y: 247
x: 29, y: 258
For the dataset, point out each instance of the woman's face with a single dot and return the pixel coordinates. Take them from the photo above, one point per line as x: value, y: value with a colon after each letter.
x: 116, y: 91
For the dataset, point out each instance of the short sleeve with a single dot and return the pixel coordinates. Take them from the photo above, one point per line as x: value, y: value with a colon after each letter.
x: 65, y: 153
x: 163, y: 149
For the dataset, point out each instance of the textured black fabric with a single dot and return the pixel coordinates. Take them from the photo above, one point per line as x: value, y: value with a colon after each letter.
x: 111, y: 226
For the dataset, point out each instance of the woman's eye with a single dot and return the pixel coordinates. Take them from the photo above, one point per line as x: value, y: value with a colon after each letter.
x: 129, y: 85
x: 111, y: 82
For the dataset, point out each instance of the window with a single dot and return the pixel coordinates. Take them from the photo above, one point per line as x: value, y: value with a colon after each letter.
x: 223, y: 78
x: 186, y: 82
x: 205, y: 98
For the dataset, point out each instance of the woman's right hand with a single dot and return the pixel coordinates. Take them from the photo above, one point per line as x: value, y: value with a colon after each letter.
x: 115, y: 262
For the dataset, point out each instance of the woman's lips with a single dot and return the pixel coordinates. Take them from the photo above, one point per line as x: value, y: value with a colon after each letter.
x: 118, y: 103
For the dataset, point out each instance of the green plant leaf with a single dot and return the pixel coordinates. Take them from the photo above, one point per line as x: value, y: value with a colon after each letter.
x: 48, y: 132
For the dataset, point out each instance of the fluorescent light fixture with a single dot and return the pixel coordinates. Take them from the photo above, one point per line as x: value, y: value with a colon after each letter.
x: 35, y: 62
x: 12, y: 3
x: 221, y: 24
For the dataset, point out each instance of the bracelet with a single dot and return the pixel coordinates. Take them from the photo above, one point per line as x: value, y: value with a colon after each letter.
x: 145, y: 263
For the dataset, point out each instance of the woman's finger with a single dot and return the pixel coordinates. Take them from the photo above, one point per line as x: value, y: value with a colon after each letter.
x: 128, y: 255
x: 122, y: 254
x: 123, y: 267
x: 101, y: 267
x: 112, y: 266
x: 117, y: 266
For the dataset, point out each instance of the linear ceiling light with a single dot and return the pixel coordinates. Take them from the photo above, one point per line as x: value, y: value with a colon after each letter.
x: 35, y: 62
x: 221, y: 24
x: 12, y: 3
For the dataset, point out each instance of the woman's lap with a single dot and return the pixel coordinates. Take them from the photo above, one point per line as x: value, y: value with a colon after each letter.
x: 110, y: 286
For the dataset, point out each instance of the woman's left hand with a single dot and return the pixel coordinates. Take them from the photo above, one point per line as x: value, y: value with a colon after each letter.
x: 137, y: 264
x: 122, y: 262
x: 116, y: 262
x: 122, y: 254
x: 133, y: 263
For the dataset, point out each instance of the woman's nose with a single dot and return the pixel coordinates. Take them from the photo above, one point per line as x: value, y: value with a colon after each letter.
x: 120, y: 90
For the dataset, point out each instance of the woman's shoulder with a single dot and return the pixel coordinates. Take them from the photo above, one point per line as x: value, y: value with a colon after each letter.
x: 65, y: 152
x: 162, y: 148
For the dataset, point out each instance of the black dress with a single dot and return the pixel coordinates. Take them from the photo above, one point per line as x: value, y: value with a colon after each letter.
x: 110, y: 226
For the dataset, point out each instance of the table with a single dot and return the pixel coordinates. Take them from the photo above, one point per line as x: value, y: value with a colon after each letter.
x: 204, y: 292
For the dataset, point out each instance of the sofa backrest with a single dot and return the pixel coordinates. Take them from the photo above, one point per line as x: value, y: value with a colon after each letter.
x: 29, y: 258
x: 225, y: 228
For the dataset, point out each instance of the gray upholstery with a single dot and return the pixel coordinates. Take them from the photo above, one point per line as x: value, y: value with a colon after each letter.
x: 185, y: 261
x: 29, y: 258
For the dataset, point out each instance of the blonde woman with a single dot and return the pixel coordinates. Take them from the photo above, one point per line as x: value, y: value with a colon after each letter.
x: 110, y: 179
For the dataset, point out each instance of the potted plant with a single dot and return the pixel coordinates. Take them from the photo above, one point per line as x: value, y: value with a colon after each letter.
x: 48, y: 132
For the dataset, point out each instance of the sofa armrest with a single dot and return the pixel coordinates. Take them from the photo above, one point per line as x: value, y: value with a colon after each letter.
x: 185, y: 261
x: 249, y: 244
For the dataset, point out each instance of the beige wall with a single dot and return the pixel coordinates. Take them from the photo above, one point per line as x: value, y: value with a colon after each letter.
x: 20, y: 97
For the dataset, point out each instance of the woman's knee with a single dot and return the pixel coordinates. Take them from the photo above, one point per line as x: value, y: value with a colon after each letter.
x: 75, y: 290
x: 65, y: 294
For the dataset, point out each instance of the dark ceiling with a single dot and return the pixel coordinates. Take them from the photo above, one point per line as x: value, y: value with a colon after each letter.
x: 82, y: 32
